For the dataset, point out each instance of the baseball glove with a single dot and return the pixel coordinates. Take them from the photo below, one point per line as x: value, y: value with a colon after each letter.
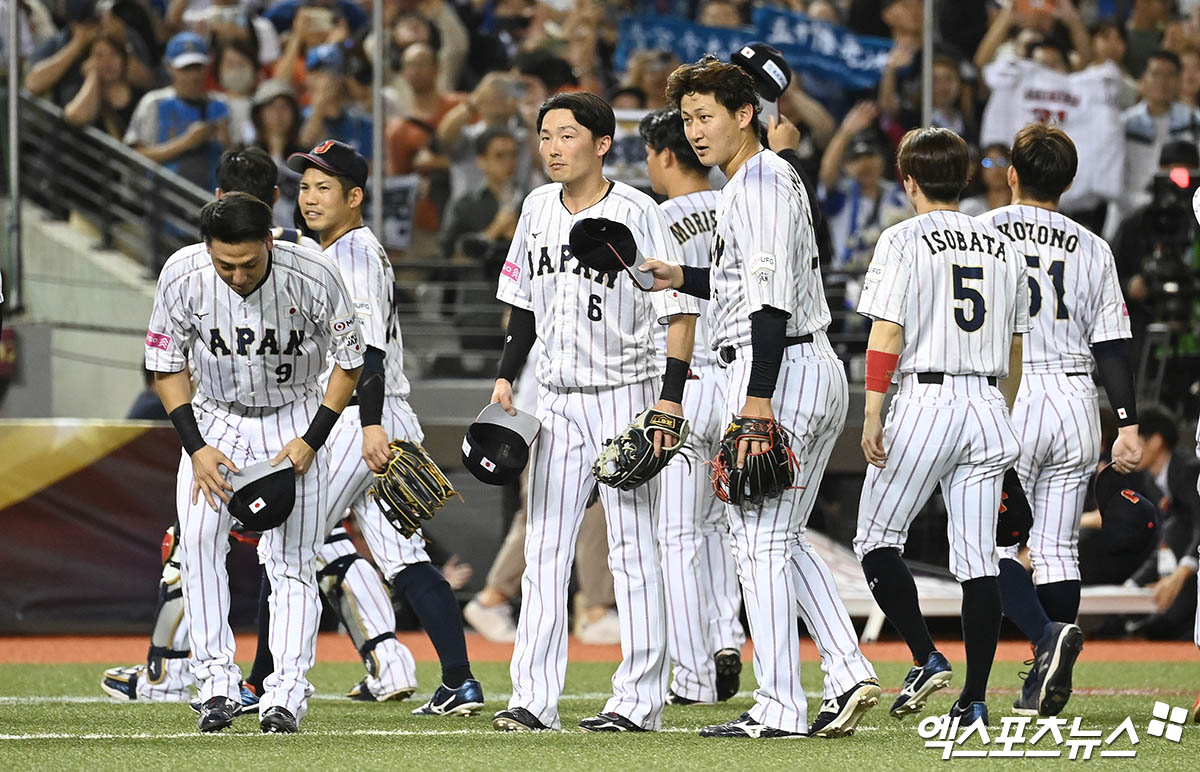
x: 628, y: 460
x: 763, y: 475
x: 411, y: 489
x: 1015, y: 517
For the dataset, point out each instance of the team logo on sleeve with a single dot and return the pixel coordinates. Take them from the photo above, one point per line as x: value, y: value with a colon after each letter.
x: 342, y: 326
x: 157, y: 340
x: 511, y: 270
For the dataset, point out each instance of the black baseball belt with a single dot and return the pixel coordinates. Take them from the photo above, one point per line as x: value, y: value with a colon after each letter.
x: 728, y: 354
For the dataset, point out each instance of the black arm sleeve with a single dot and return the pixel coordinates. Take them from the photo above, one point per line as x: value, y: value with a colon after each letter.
x: 768, y: 334
x: 695, y: 282
x: 184, y: 419
x: 370, y: 388
x: 1112, y: 364
x: 522, y: 332
x: 673, y: 380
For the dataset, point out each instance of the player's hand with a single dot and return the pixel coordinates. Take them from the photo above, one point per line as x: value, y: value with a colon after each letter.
x: 662, y: 440
x: 207, y: 477
x: 375, y: 448
x: 872, y: 441
x: 755, y: 407
x: 503, y: 394
x: 782, y: 134
x: 666, y: 275
x: 1127, y: 450
x: 300, y: 452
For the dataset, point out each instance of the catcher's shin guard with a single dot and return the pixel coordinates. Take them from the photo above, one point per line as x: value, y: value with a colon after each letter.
x: 331, y: 580
x: 169, y: 638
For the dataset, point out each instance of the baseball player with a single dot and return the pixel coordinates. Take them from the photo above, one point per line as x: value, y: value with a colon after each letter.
x: 596, y: 373
x: 704, y: 634
x: 948, y: 300
x: 352, y: 588
x: 1079, y: 318
x: 767, y: 320
x: 334, y: 177
x: 254, y: 322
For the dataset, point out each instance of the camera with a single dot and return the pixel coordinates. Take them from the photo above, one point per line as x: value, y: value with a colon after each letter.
x: 1171, y: 284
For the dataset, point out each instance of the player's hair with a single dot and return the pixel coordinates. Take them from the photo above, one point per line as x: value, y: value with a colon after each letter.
x: 248, y: 170
x: 1164, y: 55
x: 731, y: 85
x: 1045, y: 160
x: 235, y: 219
x: 662, y: 129
x: 484, y: 140
x: 592, y: 112
x: 937, y: 159
x: 1156, y: 420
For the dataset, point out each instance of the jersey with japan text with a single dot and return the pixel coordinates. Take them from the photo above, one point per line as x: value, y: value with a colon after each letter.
x: 1074, y: 294
x: 267, y: 349
x: 372, y: 285
x: 958, y: 287
x: 595, y: 329
x: 764, y: 253
x: 692, y: 221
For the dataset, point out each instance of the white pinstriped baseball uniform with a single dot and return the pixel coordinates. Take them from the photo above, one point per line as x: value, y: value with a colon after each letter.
x: 703, y: 599
x: 371, y: 281
x: 1074, y: 301
x: 256, y: 362
x: 765, y: 254
x: 596, y: 373
x: 958, y: 287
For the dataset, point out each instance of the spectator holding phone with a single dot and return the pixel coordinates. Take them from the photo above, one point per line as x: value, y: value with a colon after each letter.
x: 490, y: 107
x: 331, y: 115
x: 183, y: 126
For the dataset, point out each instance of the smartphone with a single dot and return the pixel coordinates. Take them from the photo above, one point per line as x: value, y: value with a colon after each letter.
x: 1033, y: 7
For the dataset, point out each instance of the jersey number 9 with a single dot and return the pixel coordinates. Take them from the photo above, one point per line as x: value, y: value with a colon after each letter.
x: 962, y: 273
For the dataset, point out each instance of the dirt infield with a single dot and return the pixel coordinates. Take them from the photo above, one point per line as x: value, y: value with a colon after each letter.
x: 332, y: 647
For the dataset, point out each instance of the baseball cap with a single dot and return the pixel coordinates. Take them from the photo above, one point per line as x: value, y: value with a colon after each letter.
x: 334, y: 157
x: 186, y: 49
x: 607, y: 246
x: 1129, y: 520
x: 263, y: 495
x: 864, y: 143
x: 269, y: 90
x: 770, y: 70
x: 327, y: 56
x: 496, y: 446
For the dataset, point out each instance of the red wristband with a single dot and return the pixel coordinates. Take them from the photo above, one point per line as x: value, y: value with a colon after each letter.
x: 881, y: 366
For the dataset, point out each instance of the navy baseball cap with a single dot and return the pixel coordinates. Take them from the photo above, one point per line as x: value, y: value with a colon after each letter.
x: 770, y: 70
x: 607, y: 246
x: 1129, y: 520
x: 496, y: 446
x: 263, y: 495
x: 334, y: 157
x: 327, y: 56
x: 186, y: 49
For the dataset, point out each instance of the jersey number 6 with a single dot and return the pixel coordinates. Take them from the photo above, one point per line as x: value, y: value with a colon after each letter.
x: 962, y: 292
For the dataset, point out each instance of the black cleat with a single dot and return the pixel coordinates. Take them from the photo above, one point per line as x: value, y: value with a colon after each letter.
x: 729, y: 673
x: 678, y: 699
x: 278, y: 720
x: 746, y: 727
x: 1056, y: 659
x: 217, y: 714
x: 517, y: 720
x: 609, y: 722
x: 839, y: 716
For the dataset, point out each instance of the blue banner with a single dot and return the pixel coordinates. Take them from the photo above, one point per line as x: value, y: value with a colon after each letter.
x: 817, y: 51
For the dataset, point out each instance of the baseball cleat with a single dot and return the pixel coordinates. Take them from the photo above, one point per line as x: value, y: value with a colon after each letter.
x: 466, y: 700
x: 121, y: 682
x: 678, y: 699
x: 278, y: 720
x: 1055, y: 658
x: 839, y: 716
x: 745, y: 726
x: 517, y: 720
x: 971, y: 714
x: 249, y: 701
x: 609, y: 722
x: 1027, y: 703
x: 921, y: 682
x: 360, y: 692
x: 217, y: 714
x: 729, y: 673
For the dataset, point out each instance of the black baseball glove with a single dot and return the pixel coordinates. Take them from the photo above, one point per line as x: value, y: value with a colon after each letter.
x: 628, y: 459
x: 764, y: 475
x: 1016, y: 516
x: 411, y: 489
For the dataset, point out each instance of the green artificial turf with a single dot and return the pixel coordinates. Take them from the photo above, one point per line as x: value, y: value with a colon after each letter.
x: 56, y: 717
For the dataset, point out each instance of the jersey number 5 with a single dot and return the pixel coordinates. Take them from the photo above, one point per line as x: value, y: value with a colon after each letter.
x: 1057, y: 271
x: 962, y: 273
